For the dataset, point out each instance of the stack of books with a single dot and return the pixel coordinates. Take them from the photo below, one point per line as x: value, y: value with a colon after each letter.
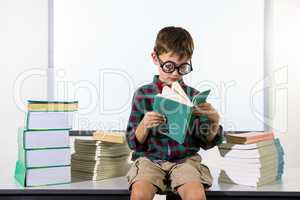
x: 43, y: 144
x: 96, y: 160
x: 252, y: 159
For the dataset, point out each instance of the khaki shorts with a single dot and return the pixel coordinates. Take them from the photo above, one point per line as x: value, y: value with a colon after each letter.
x: 169, y: 175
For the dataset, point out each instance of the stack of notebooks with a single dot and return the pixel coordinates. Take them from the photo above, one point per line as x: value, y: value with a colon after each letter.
x: 252, y: 159
x: 96, y: 160
x: 43, y: 144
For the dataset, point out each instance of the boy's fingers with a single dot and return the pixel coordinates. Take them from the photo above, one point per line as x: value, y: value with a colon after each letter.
x: 203, y: 106
x: 157, y: 121
x: 156, y: 118
x: 153, y: 125
x: 199, y: 109
x: 162, y: 117
x: 152, y: 113
x: 202, y: 112
x: 205, y: 110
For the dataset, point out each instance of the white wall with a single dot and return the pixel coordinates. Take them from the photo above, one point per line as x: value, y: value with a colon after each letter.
x: 115, y: 38
x: 23, y: 60
x: 92, y: 36
x: 282, y: 70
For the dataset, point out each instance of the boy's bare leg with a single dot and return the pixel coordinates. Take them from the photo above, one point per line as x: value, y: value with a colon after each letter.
x: 142, y: 190
x: 192, y: 190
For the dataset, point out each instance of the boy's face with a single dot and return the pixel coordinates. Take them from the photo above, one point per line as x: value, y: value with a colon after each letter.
x: 168, y: 78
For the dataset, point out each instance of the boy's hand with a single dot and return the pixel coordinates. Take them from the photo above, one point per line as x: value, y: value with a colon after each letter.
x: 152, y: 119
x: 208, y: 110
x: 212, y: 115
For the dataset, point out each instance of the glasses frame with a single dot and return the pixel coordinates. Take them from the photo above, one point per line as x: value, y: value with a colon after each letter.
x: 177, y: 67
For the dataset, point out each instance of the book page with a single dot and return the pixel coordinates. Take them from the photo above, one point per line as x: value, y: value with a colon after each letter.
x: 168, y: 93
x: 176, y: 87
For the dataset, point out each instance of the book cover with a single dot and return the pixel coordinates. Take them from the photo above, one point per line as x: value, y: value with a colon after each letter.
x: 40, y: 139
x: 249, y: 137
x: 51, y: 101
x: 29, y: 177
x: 39, y: 105
x: 176, y: 106
x: 45, y: 157
x: 49, y: 120
x: 106, y: 136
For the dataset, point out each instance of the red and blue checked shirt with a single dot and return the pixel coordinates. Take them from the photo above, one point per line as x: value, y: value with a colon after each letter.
x: 158, y: 146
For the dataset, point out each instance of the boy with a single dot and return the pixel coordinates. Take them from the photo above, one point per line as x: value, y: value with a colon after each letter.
x: 158, y: 160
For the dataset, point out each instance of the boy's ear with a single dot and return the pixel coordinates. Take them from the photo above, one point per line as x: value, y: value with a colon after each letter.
x: 154, y: 58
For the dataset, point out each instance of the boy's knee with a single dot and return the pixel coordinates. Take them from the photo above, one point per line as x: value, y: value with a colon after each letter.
x: 195, y: 195
x: 139, y: 195
x: 192, y: 192
x: 142, y: 191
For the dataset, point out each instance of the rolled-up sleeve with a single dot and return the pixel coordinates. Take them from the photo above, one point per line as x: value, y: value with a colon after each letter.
x: 136, y: 116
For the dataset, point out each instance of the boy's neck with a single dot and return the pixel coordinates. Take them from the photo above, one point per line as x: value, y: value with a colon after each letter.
x: 163, y: 81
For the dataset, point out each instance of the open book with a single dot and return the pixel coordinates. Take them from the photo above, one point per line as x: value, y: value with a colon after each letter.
x: 177, y: 107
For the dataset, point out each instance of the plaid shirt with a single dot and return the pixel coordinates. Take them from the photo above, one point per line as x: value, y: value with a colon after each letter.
x: 159, y: 146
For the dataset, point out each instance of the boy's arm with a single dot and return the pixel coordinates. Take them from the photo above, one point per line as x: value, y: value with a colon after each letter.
x: 134, y: 130
x: 215, y: 131
x: 141, y: 132
x: 205, y: 134
x: 215, y: 136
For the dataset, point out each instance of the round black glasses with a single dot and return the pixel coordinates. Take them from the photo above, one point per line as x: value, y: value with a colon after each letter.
x: 170, y: 66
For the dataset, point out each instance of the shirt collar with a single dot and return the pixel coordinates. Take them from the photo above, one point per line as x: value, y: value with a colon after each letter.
x: 160, y: 84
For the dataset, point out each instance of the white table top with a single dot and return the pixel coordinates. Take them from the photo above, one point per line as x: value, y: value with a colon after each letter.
x: 289, y: 183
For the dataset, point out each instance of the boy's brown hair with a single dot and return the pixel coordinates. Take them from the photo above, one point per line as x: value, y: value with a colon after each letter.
x: 176, y: 40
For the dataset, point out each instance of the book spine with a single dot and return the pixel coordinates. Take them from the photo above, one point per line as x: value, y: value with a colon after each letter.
x: 49, y: 102
x: 21, y: 150
x: 27, y: 120
x: 20, y: 173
